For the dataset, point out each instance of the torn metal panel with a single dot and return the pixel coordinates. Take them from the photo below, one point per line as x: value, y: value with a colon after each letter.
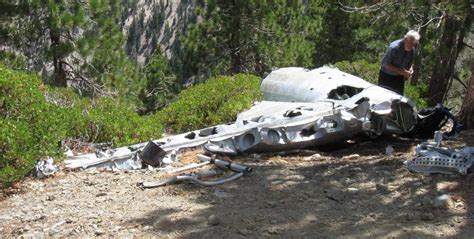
x: 394, y: 113
x: 118, y: 159
x: 45, y: 167
x: 295, y: 84
x: 432, y: 158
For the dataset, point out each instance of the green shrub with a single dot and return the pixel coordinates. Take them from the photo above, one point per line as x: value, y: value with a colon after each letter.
x: 35, y: 118
x: 29, y: 126
x: 103, y: 120
x: 361, y: 68
x: 417, y: 93
x: 12, y: 60
x: 216, y: 101
x: 108, y: 121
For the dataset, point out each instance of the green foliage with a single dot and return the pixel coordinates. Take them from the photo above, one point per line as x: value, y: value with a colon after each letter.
x: 418, y: 93
x: 30, y: 127
x: 161, y: 84
x: 361, y: 68
x: 109, y: 121
x: 104, y: 120
x: 216, y: 101
x: 251, y: 37
x: 35, y: 118
x: 12, y: 60
x: 81, y: 39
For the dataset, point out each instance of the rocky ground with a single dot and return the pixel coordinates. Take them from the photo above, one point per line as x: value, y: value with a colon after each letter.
x: 352, y: 190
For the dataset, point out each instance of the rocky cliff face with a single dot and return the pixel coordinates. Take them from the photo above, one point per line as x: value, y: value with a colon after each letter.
x: 149, y: 24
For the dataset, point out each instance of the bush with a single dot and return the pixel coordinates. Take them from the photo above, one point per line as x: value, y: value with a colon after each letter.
x: 30, y: 126
x: 216, y: 101
x: 12, y: 60
x: 103, y: 120
x: 108, y: 121
x: 417, y: 93
x: 35, y: 118
x: 361, y: 68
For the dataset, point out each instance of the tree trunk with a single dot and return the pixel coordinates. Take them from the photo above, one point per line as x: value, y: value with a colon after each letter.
x: 466, y: 115
x: 445, y: 59
x: 422, y: 30
x: 59, y: 77
x: 447, y: 52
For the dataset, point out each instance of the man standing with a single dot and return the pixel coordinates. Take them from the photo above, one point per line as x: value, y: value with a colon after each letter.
x: 397, y: 63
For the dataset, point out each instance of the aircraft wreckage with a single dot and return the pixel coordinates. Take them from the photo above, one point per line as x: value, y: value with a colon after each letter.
x: 301, y: 108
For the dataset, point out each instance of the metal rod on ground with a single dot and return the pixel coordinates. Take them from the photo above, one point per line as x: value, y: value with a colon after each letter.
x: 240, y: 170
x: 188, y: 167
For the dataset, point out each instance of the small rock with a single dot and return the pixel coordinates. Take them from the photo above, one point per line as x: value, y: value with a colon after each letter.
x: 427, y: 216
x: 69, y: 220
x: 355, y: 169
x: 418, y: 184
x: 272, y: 230
x: 256, y: 156
x: 244, y: 232
x: 50, y: 198
x: 312, y: 157
x: 381, y: 187
x: 213, y: 220
x: 99, y: 232
x: 220, y: 193
x: 409, y: 217
x: 389, y: 150
x: 271, y: 204
x: 351, y: 157
x: 335, y: 195
x: 352, y: 190
x: 443, y: 201
x: 101, y: 194
x: 147, y: 227
x: 427, y: 180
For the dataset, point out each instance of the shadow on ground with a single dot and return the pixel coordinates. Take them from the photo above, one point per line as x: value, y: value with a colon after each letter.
x: 287, y: 197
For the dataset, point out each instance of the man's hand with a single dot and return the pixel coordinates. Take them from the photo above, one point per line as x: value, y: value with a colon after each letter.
x: 400, y: 71
x: 407, y: 73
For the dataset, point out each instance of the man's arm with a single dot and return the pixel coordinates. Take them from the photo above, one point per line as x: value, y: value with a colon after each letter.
x: 398, y: 70
x: 386, y: 63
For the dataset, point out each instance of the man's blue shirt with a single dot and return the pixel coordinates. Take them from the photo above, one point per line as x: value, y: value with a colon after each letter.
x: 398, y: 56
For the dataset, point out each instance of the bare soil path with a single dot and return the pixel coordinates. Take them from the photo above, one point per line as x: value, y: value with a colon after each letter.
x: 335, y: 195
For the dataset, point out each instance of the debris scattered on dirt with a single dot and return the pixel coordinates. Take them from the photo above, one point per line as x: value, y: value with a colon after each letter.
x: 45, y: 167
x: 432, y: 158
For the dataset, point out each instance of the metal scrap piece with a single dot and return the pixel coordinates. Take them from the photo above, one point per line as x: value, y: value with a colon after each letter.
x: 45, y: 167
x: 432, y: 158
x: 240, y: 170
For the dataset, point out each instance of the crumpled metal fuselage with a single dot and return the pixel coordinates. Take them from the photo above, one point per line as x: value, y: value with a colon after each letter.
x: 302, y: 108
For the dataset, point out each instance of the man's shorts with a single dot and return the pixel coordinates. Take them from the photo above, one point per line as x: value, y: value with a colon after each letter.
x: 391, y: 82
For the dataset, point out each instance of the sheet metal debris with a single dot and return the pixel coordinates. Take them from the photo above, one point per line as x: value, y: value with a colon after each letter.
x: 45, y: 167
x: 196, y: 177
x: 301, y: 108
x: 432, y: 158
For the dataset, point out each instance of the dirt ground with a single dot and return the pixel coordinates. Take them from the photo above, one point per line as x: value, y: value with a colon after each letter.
x: 335, y: 194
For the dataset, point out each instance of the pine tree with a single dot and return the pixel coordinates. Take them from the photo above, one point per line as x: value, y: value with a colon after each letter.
x: 251, y: 36
x: 161, y: 84
x: 82, y: 41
